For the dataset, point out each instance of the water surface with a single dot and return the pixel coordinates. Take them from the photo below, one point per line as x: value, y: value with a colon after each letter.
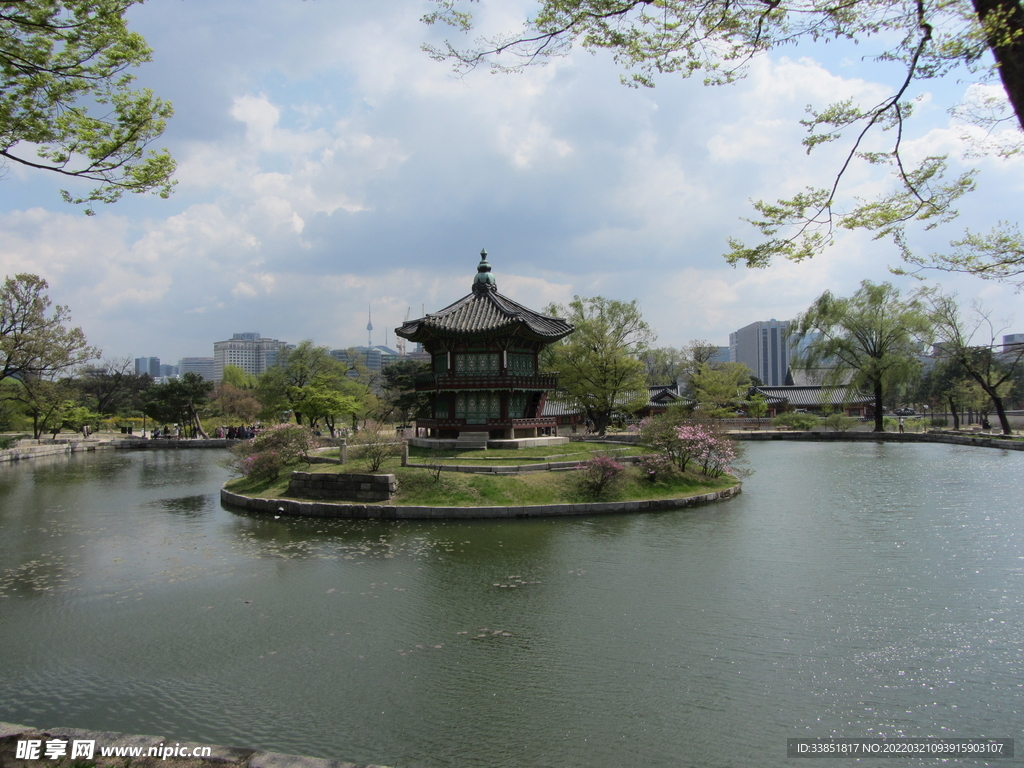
x: 851, y: 590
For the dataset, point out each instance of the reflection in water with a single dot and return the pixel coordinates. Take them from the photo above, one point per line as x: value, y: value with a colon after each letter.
x: 851, y: 590
x: 189, y: 505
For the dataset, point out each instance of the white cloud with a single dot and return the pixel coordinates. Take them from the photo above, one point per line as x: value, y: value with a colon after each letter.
x: 326, y: 164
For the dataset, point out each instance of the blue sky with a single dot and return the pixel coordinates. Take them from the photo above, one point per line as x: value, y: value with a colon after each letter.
x: 327, y: 164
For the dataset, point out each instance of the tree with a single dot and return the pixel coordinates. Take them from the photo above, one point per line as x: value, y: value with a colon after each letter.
x: 665, y: 365
x: 66, y: 104
x: 281, y: 388
x: 238, y: 377
x: 984, y: 363
x: 599, y: 365
x: 321, y: 402
x: 757, y: 407
x: 178, y: 401
x: 236, y: 403
x: 35, y: 343
x: 925, y: 39
x: 112, y: 387
x: 398, y: 389
x: 45, y: 401
x: 718, y: 391
x: 872, y: 338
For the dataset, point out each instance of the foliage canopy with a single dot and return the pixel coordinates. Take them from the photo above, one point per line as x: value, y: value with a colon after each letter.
x: 599, y: 364
x: 35, y: 342
x: 65, y: 91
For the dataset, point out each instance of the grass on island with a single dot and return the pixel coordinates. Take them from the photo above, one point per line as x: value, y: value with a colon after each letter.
x: 425, y: 487
x: 507, y: 457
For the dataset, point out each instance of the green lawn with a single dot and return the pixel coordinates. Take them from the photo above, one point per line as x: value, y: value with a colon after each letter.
x: 503, y: 457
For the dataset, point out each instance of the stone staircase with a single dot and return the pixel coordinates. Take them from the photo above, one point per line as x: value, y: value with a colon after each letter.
x: 471, y: 441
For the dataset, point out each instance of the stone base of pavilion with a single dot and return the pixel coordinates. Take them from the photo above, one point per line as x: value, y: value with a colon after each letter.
x: 452, y: 444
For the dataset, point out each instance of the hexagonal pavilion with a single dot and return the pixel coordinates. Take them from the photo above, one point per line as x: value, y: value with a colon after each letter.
x: 485, y: 382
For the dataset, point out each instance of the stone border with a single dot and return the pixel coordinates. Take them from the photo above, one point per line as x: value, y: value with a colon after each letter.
x: 294, y: 508
x: 31, y: 449
x: 222, y: 757
x: 950, y: 438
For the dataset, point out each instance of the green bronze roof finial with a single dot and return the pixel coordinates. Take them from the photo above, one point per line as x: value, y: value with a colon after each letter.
x: 484, y: 280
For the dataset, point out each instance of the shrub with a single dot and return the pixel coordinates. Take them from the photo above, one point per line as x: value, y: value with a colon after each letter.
x: 707, y: 447
x: 837, y: 422
x: 659, y: 434
x: 273, y: 449
x: 600, y: 475
x: 655, y: 465
x: 262, y: 466
x: 796, y: 420
x: 379, y: 445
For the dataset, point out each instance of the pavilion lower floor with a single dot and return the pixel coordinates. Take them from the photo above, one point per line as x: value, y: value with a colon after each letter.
x: 491, y: 429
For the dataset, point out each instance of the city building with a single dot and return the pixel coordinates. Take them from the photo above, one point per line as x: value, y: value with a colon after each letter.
x: 764, y: 348
x: 168, y: 371
x: 150, y: 365
x: 249, y: 351
x: 721, y: 356
x: 485, y: 382
x: 372, y: 358
x: 1012, y: 342
x: 204, y: 366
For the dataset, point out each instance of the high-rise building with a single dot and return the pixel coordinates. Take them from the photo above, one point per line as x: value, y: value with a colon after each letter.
x: 1012, y: 342
x: 168, y: 371
x: 249, y: 351
x: 150, y: 365
x: 201, y: 365
x: 721, y: 356
x: 764, y: 348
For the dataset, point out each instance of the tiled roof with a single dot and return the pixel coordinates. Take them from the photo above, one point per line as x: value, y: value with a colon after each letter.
x: 485, y: 312
x: 812, y: 396
x: 659, y: 397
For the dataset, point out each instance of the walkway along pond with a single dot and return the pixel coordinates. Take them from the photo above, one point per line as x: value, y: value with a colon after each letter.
x: 852, y: 589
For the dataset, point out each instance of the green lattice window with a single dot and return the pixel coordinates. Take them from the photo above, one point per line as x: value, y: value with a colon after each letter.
x: 517, y: 405
x: 477, y: 407
x: 476, y: 364
x: 441, y: 362
x: 520, y: 364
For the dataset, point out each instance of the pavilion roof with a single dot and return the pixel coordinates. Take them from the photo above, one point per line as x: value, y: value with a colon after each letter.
x: 485, y: 312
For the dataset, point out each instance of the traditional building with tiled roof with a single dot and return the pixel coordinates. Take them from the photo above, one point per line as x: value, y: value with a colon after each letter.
x: 485, y: 382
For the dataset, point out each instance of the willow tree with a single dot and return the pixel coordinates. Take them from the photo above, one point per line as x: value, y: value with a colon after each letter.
x: 871, y: 340
x: 921, y: 39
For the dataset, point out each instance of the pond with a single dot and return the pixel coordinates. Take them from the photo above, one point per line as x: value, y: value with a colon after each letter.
x: 853, y: 590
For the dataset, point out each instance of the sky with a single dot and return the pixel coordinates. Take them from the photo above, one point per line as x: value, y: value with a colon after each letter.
x: 328, y: 168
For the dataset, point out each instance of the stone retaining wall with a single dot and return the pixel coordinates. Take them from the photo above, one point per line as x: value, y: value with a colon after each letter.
x: 951, y: 438
x: 33, y: 449
x: 218, y: 757
x: 343, y: 487
x: 389, y: 512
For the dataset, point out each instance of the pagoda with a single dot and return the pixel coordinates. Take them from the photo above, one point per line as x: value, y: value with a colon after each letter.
x: 485, y: 383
